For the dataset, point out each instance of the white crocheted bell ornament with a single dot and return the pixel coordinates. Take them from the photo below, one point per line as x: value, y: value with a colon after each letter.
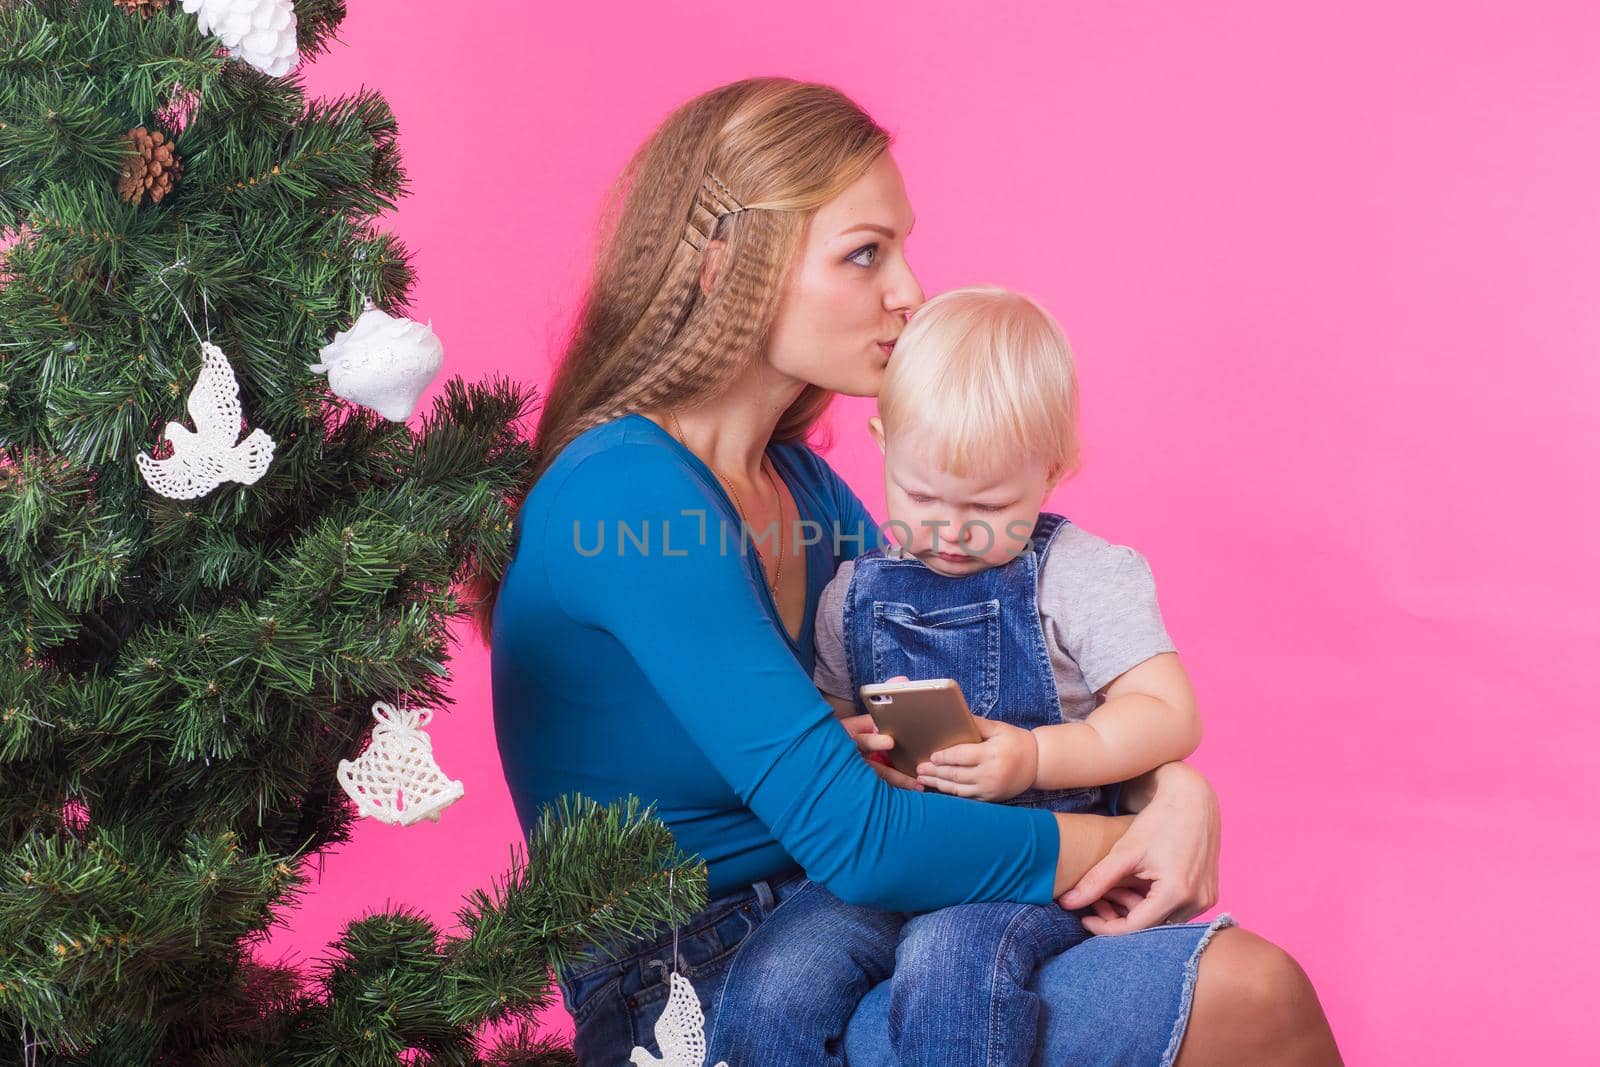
x: 260, y: 32
x: 211, y: 453
x: 680, y: 1030
x: 395, y: 779
x: 382, y: 362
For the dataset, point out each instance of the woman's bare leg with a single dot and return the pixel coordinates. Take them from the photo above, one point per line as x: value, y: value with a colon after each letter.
x: 1254, y: 1004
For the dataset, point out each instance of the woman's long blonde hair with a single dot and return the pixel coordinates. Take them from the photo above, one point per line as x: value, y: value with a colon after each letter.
x: 647, y: 337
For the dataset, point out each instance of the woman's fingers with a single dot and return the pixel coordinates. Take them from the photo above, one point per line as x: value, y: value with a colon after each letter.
x: 874, y: 742
x: 1117, y: 865
x: 857, y: 725
x: 865, y: 734
x: 1153, y: 910
x: 895, y: 778
x: 1124, y: 898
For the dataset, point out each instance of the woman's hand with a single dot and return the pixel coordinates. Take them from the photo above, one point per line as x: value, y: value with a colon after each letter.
x: 874, y: 746
x: 1164, y: 869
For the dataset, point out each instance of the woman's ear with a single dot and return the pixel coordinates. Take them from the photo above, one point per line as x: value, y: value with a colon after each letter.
x: 708, y: 269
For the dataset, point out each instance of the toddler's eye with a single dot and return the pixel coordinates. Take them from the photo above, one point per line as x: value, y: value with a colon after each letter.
x: 919, y: 498
x: 990, y: 507
x: 863, y: 250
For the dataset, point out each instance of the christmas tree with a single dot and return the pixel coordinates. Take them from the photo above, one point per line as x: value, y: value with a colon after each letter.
x: 217, y: 560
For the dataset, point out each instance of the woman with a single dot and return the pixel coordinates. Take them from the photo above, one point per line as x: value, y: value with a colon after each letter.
x: 754, y: 268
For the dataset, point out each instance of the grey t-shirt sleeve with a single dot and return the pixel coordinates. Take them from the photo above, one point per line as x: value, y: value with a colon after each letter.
x: 832, y: 673
x: 1098, y: 602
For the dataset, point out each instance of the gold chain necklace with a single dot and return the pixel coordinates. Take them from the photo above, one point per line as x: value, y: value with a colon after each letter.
x: 778, y: 570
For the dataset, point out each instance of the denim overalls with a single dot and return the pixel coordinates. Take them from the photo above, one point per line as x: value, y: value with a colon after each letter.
x: 983, y: 630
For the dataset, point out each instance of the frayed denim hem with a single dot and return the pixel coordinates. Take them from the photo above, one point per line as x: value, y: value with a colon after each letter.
x: 1191, y: 971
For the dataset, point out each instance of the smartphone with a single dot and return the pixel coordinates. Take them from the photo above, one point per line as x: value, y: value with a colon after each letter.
x: 922, y: 717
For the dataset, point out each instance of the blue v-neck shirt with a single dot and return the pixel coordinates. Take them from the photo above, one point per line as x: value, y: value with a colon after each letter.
x: 636, y: 651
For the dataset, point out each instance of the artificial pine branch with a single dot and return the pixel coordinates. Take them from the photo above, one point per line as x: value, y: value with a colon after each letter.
x: 179, y: 678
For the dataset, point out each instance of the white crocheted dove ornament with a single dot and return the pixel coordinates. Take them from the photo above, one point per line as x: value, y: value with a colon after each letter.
x: 212, y: 454
x: 680, y: 1031
x: 260, y: 32
x: 395, y: 780
x: 382, y: 362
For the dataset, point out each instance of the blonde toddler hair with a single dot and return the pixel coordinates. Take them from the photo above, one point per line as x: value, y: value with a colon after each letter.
x: 985, y: 374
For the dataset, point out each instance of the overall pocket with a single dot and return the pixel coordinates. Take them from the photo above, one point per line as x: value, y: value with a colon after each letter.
x: 961, y: 642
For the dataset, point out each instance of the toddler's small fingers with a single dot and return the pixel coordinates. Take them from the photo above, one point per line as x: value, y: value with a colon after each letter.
x: 947, y: 785
x: 968, y: 755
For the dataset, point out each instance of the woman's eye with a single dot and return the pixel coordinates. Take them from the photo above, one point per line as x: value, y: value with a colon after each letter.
x: 853, y: 256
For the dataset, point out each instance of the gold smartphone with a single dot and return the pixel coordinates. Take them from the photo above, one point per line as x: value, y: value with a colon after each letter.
x: 922, y: 717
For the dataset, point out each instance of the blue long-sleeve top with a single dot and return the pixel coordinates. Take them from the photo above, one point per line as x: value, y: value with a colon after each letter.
x: 636, y: 650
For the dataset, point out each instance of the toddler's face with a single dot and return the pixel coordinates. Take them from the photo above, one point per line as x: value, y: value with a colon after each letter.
x: 959, y: 526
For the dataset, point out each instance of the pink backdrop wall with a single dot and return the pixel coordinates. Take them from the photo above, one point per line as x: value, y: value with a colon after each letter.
x: 1330, y: 277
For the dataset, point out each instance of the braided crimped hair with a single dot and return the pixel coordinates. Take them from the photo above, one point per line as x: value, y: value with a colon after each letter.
x: 746, y: 165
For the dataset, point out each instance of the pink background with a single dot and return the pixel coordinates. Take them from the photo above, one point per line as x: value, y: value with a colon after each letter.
x: 1330, y: 277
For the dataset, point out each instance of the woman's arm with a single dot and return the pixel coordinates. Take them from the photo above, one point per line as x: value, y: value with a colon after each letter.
x: 1164, y: 868
x: 692, y: 620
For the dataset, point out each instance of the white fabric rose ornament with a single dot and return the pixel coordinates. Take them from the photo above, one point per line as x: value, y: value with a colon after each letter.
x: 260, y: 32
x: 382, y: 362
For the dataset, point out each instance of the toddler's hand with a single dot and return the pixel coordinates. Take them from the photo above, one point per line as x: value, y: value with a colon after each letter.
x: 1003, y: 765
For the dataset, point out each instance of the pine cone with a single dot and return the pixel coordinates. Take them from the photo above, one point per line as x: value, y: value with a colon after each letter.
x: 151, y: 170
x: 145, y: 8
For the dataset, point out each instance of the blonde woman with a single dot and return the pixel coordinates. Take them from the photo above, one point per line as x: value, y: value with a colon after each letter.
x: 651, y: 637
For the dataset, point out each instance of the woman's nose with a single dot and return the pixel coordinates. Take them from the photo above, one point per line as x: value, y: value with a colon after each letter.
x: 905, y: 295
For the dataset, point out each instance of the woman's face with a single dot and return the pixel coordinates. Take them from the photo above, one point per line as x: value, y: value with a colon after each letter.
x: 850, y: 290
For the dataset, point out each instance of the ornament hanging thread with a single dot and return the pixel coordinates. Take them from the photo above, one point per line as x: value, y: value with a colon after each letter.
x: 680, y: 1030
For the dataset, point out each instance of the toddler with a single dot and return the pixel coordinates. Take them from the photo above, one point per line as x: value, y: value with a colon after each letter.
x: 1053, y: 633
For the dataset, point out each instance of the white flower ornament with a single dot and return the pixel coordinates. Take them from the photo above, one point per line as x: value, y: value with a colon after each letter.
x: 260, y: 32
x: 382, y: 362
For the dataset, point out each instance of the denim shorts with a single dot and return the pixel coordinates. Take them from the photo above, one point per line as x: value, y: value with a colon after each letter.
x: 1112, y: 1000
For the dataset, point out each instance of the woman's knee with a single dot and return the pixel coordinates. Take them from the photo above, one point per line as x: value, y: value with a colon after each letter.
x: 1255, y: 982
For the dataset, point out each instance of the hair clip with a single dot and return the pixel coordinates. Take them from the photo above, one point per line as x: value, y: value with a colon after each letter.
x: 719, y: 199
